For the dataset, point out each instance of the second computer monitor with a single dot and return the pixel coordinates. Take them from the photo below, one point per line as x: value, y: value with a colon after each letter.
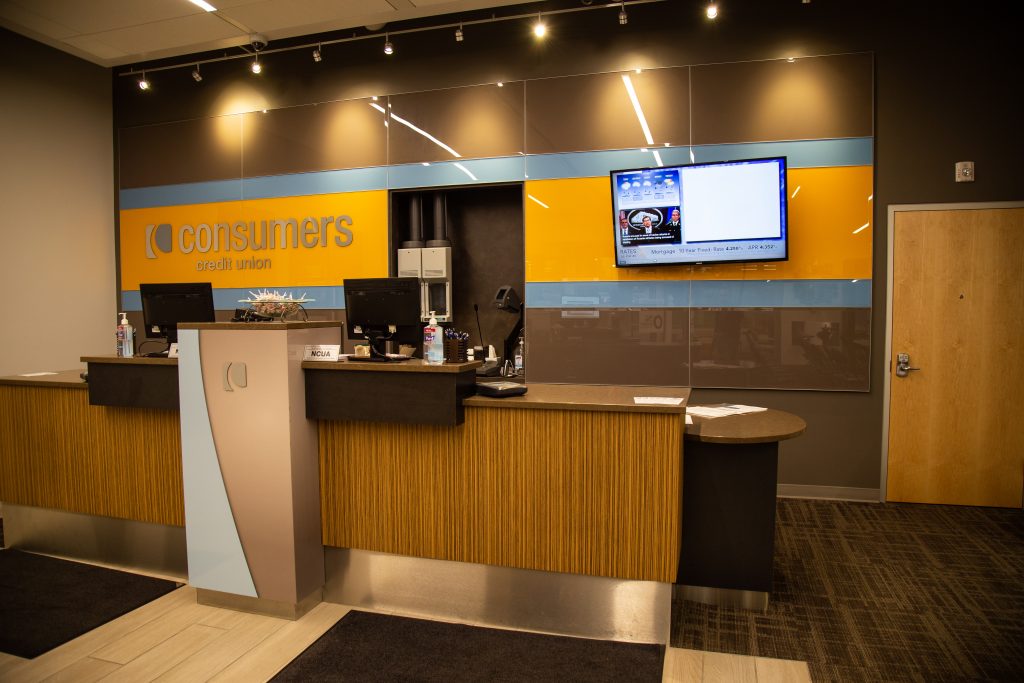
x: 373, y: 306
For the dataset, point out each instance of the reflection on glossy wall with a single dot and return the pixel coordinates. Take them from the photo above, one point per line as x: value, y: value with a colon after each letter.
x: 801, y: 324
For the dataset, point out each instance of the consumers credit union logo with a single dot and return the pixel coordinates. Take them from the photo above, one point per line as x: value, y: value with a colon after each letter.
x: 159, y: 236
x: 242, y: 236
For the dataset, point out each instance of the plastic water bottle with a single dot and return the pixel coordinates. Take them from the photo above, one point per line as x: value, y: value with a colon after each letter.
x: 433, y: 346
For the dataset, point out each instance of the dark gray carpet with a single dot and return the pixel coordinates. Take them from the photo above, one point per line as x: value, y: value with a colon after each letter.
x: 45, y: 602
x: 379, y: 647
x: 873, y: 592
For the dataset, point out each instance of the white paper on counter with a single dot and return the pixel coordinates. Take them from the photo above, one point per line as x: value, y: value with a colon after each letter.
x: 722, y: 411
x: 656, y: 401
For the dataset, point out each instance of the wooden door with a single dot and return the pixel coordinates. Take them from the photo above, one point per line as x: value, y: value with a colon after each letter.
x: 956, y: 425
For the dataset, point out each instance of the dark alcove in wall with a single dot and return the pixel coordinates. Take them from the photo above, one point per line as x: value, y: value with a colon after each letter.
x: 485, y: 227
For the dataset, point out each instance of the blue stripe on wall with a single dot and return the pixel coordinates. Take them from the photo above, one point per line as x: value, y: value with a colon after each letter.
x: 187, y: 193
x: 801, y: 154
x: 462, y: 172
x: 323, y: 182
x: 701, y: 294
x: 228, y: 299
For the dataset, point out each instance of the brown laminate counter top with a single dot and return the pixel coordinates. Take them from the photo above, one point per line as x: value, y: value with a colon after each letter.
x: 298, y: 325
x: 607, y: 398
x: 134, y: 360
x: 70, y: 379
x: 414, y: 365
x: 762, y: 427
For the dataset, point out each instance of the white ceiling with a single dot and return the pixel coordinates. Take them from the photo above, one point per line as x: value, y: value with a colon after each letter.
x: 116, y: 32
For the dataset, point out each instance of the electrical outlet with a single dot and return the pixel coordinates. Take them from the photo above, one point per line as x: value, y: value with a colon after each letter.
x: 965, y: 171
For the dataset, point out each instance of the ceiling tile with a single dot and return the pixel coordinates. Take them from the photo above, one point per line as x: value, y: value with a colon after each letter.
x: 16, y: 17
x: 95, y: 16
x: 276, y: 17
x: 189, y: 34
x: 96, y: 48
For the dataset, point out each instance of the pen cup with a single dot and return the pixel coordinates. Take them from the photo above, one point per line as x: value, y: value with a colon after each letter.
x: 455, y: 350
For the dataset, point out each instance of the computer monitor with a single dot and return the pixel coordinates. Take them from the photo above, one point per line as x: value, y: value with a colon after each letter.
x: 166, y: 305
x: 383, y: 309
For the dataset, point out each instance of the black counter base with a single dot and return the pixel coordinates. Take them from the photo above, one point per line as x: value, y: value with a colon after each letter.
x: 133, y: 385
x: 728, y: 515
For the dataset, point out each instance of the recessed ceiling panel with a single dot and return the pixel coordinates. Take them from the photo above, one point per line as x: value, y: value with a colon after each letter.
x: 95, y: 16
x: 95, y: 47
x: 17, y: 17
x: 275, y: 15
x: 186, y: 31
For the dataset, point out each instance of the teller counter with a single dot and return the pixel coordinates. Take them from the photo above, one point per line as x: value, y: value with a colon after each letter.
x: 91, y: 481
x: 559, y: 510
x: 556, y: 510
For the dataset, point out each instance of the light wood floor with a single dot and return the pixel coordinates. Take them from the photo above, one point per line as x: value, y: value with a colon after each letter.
x: 175, y: 639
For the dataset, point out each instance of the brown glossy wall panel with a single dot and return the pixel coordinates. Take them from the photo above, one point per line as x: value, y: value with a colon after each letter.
x: 318, y: 137
x: 781, y: 348
x: 476, y: 121
x: 594, y: 112
x: 584, y: 492
x: 607, y: 346
x: 764, y: 348
x: 61, y: 453
x: 182, y: 152
x: 809, y: 98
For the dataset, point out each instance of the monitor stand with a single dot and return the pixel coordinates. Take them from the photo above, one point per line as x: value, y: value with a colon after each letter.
x: 376, y: 341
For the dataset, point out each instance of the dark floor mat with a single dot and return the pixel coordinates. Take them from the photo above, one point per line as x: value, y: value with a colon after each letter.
x: 379, y: 647
x: 45, y: 602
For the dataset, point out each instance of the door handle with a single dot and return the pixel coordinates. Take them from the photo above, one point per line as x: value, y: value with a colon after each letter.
x: 903, y: 365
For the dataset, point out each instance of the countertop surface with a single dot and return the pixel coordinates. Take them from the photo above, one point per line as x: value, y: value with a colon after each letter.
x: 762, y: 427
x: 289, y: 325
x: 586, y: 397
x: 413, y: 365
x: 134, y: 360
x: 62, y: 378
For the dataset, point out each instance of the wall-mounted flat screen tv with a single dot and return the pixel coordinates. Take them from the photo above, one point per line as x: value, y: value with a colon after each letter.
x: 721, y: 212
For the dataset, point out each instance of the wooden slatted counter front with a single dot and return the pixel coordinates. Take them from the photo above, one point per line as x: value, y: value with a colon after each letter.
x: 565, y: 478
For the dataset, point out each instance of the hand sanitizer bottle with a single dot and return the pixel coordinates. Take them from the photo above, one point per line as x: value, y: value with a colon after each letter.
x: 519, y: 356
x: 125, y: 338
x: 433, y: 347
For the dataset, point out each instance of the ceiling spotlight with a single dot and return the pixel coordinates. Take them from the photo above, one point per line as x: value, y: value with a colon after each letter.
x: 458, y: 34
x: 256, y: 66
x: 388, y: 47
x: 623, y: 17
x: 143, y: 83
x: 196, y: 76
x: 540, y: 29
x: 316, y: 54
x: 501, y: 84
x: 712, y: 11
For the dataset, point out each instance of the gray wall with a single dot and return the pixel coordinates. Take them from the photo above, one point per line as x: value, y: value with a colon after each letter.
x: 944, y: 80
x: 56, y: 208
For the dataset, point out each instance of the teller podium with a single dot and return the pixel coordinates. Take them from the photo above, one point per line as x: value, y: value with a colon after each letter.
x: 250, y: 465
